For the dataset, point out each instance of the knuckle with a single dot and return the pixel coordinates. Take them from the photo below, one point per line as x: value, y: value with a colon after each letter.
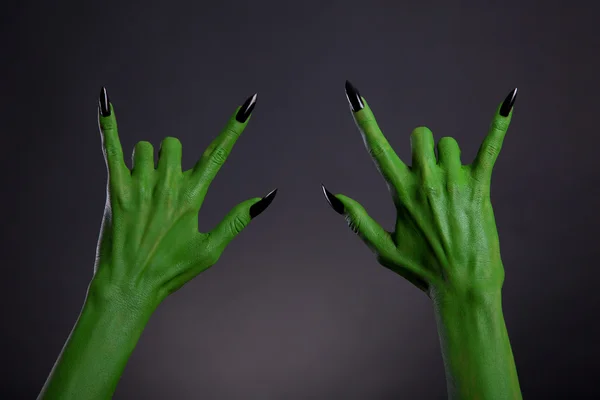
x: 112, y: 150
x: 499, y: 125
x: 212, y: 256
x: 237, y: 225
x: 231, y: 131
x: 354, y: 223
x: 452, y: 188
x: 219, y: 155
x: 481, y: 192
x: 368, y: 123
x: 377, y: 150
x: 429, y: 183
x: 477, y: 176
x: 492, y: 150
x: 430, y: 191
x: 108, y: 124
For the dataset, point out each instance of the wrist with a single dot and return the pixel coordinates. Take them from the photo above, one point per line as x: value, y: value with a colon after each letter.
x: 466, y: 300
x: 106, y: 333
x: 475, y: 344
x: 116, y: 315
x: 105, y: 296
x: 470, y: 317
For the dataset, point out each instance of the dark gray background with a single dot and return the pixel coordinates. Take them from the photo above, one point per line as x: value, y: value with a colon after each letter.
x: 297, y: 307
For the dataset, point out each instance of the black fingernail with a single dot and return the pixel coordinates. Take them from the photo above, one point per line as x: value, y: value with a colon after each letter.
x: 354, y: 97
x: 246, y: 109
x: 104, y: 103
x: 333, y: 201
x: 262, y: 204
x: 509, y: 102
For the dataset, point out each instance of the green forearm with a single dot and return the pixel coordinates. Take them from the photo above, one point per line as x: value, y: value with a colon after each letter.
x: 95, y: 355
x: 475, y: 346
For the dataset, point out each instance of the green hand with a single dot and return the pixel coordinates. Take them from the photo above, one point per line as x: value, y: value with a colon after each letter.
x: 149, y: 247
x: 446, y: 243
x: 150, y: 244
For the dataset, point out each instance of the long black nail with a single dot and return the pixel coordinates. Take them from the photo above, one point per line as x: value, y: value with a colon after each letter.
x: 333, y: 201
x: 262, y: 204
x: 104, y: 103
x: 246, y: 109
x: 509, y: 102
x: 354, y: 97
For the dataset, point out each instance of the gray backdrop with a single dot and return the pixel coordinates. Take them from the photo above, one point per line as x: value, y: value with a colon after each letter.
x: 297, y: 307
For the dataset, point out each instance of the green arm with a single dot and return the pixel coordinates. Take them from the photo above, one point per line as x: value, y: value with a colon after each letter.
x: 149, y: 247
x: 446, y: 243
x: 98, y: 348
x: 475, y: 348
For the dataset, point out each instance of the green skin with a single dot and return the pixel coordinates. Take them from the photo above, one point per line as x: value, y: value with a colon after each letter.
x: 149, y: 247
x: 446, y: 243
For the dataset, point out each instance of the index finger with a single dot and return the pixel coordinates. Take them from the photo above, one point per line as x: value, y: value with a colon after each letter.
x: 216, y: 154
x: 387, y: 161
x: 492, y: 144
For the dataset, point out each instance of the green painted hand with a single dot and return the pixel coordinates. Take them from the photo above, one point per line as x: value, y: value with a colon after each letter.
x: 149, y: 247
x: 446, y: 243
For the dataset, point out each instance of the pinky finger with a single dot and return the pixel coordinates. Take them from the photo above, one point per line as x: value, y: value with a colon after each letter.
x: 111, y: 145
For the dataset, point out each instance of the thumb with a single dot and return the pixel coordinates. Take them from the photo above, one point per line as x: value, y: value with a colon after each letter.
x: 239, y: 217
x: 373, y: 234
